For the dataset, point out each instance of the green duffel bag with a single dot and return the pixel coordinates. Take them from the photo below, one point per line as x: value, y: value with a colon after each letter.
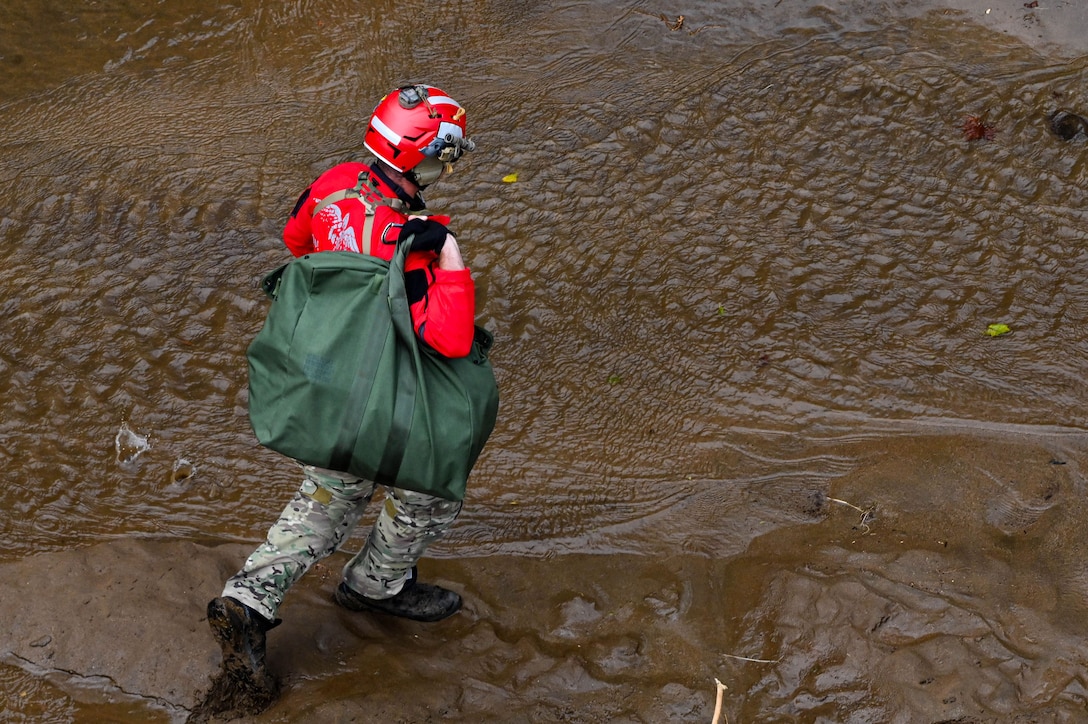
x: 337, y: 378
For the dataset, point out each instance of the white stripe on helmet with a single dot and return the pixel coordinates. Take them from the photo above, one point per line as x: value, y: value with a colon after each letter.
x: 388, y: 133
x: 443, y: 100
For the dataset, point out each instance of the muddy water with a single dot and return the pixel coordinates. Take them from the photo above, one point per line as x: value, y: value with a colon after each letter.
x: 740, y: 291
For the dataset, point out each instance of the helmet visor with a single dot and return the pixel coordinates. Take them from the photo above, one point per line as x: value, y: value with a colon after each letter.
x: 427, y: 171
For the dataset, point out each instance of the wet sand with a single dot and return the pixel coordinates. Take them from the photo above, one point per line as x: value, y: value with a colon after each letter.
x: 901, y: 586
x: 1058, y: 25
x: 1055, y: 26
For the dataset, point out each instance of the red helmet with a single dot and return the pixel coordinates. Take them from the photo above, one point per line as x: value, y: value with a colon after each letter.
x: 418, y: 130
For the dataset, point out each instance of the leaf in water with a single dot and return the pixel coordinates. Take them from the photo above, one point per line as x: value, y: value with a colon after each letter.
x: 996, y: 330
x: 510, y: 178
x: 615, y: 379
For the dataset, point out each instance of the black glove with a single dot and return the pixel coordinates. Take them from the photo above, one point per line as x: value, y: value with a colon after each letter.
x: 430, y: 235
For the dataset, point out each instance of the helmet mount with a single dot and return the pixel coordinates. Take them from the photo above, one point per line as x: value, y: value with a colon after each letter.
x: 410, y: 96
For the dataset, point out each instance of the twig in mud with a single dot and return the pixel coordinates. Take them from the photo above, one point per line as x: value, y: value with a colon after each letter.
x: 843, y: 502
x: 718, y: 704
x: 747, y: 658
x: 866, y: 513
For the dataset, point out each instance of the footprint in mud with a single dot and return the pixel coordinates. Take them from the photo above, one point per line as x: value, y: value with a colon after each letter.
x: 1011, y: 512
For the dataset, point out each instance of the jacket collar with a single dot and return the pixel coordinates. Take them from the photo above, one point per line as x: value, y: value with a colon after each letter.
x: 415, y: 203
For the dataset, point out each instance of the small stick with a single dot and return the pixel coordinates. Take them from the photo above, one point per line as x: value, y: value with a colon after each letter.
x: 836, y: 500
x: 758, y: 661
x: 718, y: 704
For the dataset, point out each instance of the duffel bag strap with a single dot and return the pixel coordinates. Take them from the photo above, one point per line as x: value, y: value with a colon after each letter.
x: 407, y: 366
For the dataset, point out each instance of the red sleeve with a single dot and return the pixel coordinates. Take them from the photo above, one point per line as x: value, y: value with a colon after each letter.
x: 445, y: 318
x: 297, y: 234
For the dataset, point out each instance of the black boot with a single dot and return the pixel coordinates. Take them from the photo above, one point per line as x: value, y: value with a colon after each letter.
x: 240, y: 632
x: 417, y: 601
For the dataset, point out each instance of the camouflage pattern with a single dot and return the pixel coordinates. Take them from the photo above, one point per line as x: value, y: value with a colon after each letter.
x: 321, y: 516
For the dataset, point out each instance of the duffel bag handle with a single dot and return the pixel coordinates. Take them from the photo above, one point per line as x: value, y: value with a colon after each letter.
x: 398, y: 294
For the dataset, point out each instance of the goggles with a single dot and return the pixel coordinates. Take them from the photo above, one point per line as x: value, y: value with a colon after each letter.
x: 449, y: 145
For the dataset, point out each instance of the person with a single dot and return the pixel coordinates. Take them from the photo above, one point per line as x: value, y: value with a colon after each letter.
x: 416, y: 133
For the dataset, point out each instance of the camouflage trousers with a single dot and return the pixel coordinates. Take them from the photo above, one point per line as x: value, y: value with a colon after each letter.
x: 322, y: 515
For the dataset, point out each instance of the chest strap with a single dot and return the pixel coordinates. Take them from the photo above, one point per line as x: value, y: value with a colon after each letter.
x: 370, y: 199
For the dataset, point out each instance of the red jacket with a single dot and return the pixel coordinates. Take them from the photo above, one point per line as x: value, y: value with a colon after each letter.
x: 443, y: 302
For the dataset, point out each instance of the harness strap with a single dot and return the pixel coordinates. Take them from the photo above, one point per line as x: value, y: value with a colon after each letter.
x: 370, y: 199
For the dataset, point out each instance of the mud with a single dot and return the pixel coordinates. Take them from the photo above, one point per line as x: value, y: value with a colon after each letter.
x: 753, y: 429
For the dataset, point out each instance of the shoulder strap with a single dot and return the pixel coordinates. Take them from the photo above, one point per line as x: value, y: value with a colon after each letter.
x: 370, y: 199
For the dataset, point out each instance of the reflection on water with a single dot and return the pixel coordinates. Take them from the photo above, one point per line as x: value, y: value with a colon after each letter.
x: 733, y: 261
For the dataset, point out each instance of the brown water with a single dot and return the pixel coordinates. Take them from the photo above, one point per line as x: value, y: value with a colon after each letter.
x: 740, y: 292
